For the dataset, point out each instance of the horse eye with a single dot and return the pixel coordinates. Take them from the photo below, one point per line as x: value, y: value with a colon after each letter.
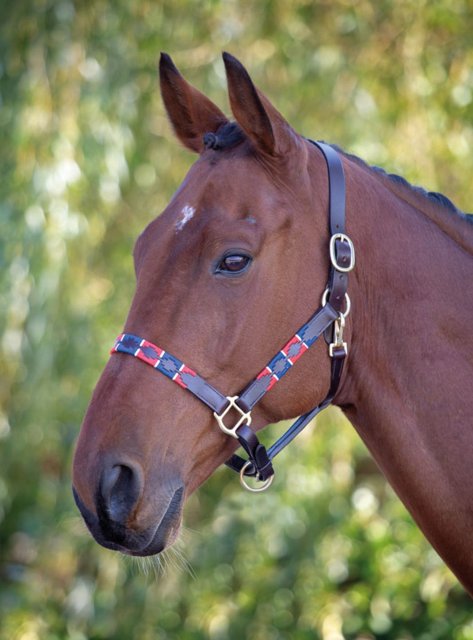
x: 234, y: 263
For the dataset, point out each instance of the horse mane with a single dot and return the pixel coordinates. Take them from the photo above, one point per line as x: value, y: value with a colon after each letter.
x: 440, y: 210
x: 434, y: 196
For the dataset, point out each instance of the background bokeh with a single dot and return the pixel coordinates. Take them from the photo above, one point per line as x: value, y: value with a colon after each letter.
x: 86, y: 160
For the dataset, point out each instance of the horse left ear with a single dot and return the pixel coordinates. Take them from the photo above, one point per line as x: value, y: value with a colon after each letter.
x: 191, y: 113
x: 262, y: 123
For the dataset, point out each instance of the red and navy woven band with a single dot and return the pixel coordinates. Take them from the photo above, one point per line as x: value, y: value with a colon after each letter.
x: 172, y: 368
x: 278, y: 366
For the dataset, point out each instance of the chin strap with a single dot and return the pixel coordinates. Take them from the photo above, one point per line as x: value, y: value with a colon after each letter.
x: 329, y: 319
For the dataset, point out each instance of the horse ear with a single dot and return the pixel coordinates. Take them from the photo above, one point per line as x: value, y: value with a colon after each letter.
x: 262, y: 123
x: 191, y: 113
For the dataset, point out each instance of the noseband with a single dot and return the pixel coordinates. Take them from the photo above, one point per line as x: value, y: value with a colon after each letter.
x: 335, y: 306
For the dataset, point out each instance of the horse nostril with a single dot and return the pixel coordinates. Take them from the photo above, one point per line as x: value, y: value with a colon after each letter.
x: 120, y: 489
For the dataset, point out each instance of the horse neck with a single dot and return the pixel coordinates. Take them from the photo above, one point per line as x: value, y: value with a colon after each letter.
x: 407, y: 387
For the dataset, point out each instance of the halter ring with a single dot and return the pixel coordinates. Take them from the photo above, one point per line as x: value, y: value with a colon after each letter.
x: 244, y: 417
x: 347, y: 302
x: 266, y: 484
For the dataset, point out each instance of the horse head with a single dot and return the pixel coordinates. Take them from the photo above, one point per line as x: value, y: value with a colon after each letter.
x: 233, y: 265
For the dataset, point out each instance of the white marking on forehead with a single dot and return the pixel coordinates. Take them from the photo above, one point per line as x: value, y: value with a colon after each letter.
x: 187, y: 214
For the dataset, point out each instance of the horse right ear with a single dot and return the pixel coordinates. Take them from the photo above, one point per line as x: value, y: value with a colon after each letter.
x: 190, y: 112
x: 259, y: 119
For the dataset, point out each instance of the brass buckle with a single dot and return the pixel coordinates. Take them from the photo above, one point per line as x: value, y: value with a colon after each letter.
x: 265, y: 485
x: 244, y: 417
x: 333, y: 258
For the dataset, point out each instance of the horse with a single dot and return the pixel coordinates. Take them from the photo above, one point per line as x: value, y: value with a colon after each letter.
x: 234, y: 266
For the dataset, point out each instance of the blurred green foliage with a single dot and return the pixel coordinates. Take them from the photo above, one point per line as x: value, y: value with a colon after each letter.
x: 87, y: 159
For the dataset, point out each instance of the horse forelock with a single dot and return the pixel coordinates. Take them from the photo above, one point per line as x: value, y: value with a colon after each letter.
x: 229, y: 135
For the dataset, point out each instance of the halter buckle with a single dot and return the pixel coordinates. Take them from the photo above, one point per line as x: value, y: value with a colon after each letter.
x: 333, y: 254
x: 244, y: 417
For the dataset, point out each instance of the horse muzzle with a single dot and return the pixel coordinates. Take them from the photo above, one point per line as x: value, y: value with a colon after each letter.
x: 114, y: 523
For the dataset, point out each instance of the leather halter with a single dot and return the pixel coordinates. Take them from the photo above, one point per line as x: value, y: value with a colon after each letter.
x: 329, y: 314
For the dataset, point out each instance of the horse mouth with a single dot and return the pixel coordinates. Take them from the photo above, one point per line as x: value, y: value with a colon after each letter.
x: 147, y: 542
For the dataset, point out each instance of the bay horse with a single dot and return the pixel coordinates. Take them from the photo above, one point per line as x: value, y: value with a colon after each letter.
x: 233, y: 267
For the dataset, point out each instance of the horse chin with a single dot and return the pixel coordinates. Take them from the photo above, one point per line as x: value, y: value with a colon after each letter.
x: 147, y: 542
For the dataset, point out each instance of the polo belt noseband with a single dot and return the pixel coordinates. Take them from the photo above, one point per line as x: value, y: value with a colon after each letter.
x: 335, y: 306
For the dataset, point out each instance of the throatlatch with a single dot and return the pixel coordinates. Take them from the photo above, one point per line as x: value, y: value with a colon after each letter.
x: 335, y: 306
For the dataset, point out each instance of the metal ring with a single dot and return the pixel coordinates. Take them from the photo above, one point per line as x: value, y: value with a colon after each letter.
x: 347, y: 301
x: 266, y: 483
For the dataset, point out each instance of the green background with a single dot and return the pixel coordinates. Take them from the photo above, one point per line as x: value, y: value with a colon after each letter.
x: 87, y: 159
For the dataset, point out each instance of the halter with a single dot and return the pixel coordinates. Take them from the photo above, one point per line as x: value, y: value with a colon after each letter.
x: 329, y: 314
